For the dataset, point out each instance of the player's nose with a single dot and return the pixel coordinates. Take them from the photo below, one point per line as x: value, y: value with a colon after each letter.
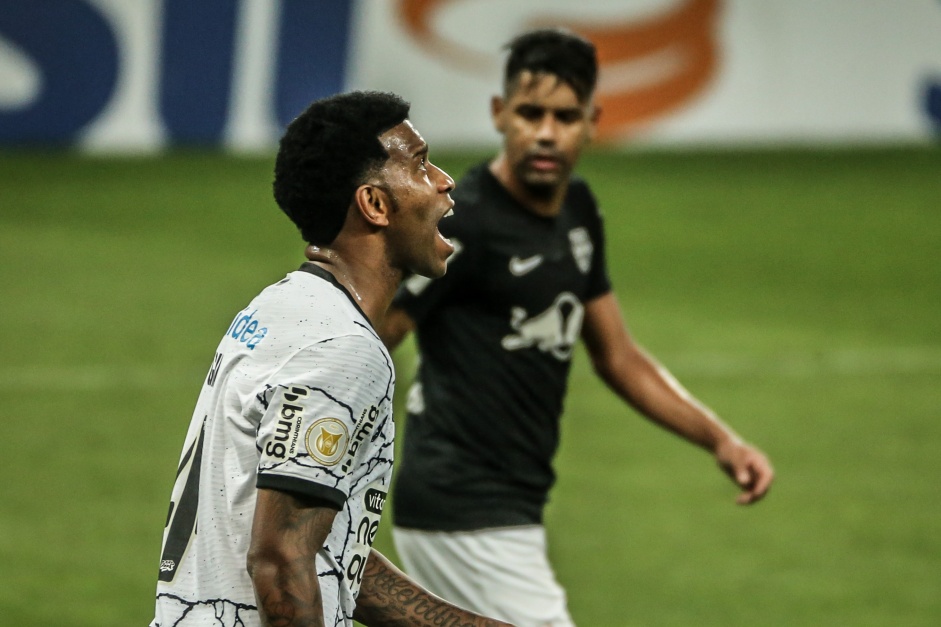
x: 445, y: 182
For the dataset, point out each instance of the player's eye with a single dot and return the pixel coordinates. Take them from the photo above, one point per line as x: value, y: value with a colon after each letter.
x: 529, y: 112
x: 568, y: 116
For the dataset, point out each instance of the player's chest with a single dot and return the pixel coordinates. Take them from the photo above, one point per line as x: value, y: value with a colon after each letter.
x: 530, y: 267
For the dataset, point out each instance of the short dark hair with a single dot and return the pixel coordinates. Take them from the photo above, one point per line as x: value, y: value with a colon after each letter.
x: 326, y: 153
x: 556, y: 51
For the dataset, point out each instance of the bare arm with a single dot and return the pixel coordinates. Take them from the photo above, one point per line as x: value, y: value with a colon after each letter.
x: 638, y: 379
x: 388, y: 598
x: 287, y: 532
x: 396, y: 325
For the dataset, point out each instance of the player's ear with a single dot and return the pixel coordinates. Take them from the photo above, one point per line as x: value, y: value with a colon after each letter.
x: 373, y: 204
x: 593, y: 117
x: 497, y: 106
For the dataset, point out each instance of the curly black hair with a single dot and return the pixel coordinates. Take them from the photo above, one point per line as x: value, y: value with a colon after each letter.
x: 556, y: 51
x: 326, y: 153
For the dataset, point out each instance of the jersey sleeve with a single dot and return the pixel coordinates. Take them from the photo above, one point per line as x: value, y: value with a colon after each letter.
x: 599, y: 282
x: 420, y: 295
x: 315, y: 409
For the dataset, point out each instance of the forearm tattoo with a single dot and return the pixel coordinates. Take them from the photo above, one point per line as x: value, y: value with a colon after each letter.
x: 388, y: 598
x: 293, y: 601
x: 288, y: 591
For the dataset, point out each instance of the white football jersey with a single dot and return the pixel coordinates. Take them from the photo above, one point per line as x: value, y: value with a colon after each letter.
x: 298, y: 398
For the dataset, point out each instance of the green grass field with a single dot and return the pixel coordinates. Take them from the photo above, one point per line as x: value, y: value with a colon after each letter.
x: 797, y: 293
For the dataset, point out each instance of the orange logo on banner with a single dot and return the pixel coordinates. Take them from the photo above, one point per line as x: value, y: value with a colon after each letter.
x: 647, y: 67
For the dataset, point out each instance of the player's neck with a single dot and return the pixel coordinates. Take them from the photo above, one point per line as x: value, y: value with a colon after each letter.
x: 543, y: 206
x: 371, y: 286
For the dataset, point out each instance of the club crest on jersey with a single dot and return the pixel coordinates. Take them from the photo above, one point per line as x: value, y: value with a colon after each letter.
x: 327, y: 440
x: 582, y: 248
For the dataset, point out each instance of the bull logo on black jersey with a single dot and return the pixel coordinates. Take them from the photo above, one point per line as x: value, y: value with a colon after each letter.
x: 554, y: 331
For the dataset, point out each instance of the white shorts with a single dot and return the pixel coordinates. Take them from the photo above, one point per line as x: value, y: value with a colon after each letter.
x: 501, y: 573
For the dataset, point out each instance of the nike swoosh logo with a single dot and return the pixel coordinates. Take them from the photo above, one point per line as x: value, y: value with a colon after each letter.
x: 519, y: 267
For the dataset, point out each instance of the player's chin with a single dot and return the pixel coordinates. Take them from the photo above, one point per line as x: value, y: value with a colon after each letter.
x: 435, y: 264
x: 443, y: 251
x: 543, y: 182
x: 433, y: 269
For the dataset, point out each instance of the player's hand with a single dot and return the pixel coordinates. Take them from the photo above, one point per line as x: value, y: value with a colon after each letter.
x: 748, y: 467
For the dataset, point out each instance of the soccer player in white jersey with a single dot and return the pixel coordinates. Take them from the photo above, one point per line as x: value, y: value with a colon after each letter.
x: 287, y: 461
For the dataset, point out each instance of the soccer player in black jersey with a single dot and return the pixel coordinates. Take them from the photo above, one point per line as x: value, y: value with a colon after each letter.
x: 495, y: 337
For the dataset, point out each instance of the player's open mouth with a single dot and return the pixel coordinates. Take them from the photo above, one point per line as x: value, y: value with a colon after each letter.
x: 448, y: 214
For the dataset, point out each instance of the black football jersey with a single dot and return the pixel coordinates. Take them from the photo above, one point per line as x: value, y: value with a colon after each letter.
x: 495, y: 337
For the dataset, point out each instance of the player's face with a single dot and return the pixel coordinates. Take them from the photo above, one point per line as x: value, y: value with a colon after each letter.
x: 544, y: 128
x: 420, y: 194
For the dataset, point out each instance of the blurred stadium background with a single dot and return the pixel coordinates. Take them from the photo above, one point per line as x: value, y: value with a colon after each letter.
x: 771, y: 181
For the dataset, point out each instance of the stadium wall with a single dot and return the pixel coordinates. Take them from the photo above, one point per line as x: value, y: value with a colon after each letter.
x: 140, y: 75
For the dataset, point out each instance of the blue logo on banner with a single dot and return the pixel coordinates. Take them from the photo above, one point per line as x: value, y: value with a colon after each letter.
x: 77, y: 54
x: 78, y: 58
x: 312, y: 54
x: 198, y: 49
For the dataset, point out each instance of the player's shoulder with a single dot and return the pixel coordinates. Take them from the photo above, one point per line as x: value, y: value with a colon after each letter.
x: 479, y: 200
x: 308, y: 307
x: 581, y: 200
x: 472, y: 185
x: 580, y: 191
x: 479, y: 191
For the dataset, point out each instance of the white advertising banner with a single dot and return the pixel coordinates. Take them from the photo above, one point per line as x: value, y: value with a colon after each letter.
x: 679, y: 71
x: 143, y: 74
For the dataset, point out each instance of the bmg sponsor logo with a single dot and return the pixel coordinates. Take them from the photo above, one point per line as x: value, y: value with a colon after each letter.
x: 288, y: 427
x: 367, y: 422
